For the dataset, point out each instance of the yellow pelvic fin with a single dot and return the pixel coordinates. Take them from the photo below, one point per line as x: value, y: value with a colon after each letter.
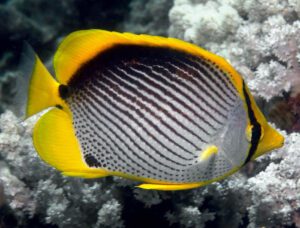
x: 168, y: 187
x: 82, y: 46
x: 42, y: 89
x: 173, y: 186
x: 98, y: 174
x: 55, y: 141
x: 208, y: 152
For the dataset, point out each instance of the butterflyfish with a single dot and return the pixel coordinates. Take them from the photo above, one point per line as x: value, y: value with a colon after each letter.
x: 157, y: 110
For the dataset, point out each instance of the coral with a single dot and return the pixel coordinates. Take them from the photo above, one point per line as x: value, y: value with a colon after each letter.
x: 262, y: 41
x: 260, y: 38
x: 275, y: 191
x: 31, y: 188
x: 203, y: 23
x: 190, y: 216
x: 105, y: 219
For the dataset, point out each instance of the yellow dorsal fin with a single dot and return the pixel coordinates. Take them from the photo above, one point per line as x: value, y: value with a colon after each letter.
x: 55, y: 141
x: 82, y: 46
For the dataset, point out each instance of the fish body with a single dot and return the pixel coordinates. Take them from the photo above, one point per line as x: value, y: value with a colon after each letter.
x: 153, y: 109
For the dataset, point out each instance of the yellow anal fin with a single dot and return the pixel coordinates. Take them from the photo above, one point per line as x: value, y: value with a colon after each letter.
x: 55, y: 141
x: 168, y: 187
x: 208, y: 153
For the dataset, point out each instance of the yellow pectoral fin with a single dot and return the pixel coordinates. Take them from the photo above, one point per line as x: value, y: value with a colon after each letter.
x: 209, y: 152
x: 55, y: 141
x: 168, y: 187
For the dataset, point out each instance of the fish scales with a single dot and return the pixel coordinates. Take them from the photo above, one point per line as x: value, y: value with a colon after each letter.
x: 121, y: 92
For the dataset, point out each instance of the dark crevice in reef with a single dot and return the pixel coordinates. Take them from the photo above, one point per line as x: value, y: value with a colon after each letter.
x: 9, y: 220
x: 136, y: 215
x: 43, y: 23
x: 26, y: 21
x: 283, y: 111
x: 93, y: 10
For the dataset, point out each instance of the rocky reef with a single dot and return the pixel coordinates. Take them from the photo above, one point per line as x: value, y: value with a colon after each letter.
x: 259, y: 37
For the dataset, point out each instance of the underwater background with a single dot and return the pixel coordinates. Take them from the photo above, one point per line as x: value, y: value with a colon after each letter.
x: 260, y: 38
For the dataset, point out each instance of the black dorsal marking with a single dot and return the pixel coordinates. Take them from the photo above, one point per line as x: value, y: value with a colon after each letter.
x: 256, y: 129
x: 115, y: 55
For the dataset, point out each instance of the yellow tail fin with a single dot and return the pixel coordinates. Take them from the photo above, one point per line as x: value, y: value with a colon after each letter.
x: 42, y: 91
